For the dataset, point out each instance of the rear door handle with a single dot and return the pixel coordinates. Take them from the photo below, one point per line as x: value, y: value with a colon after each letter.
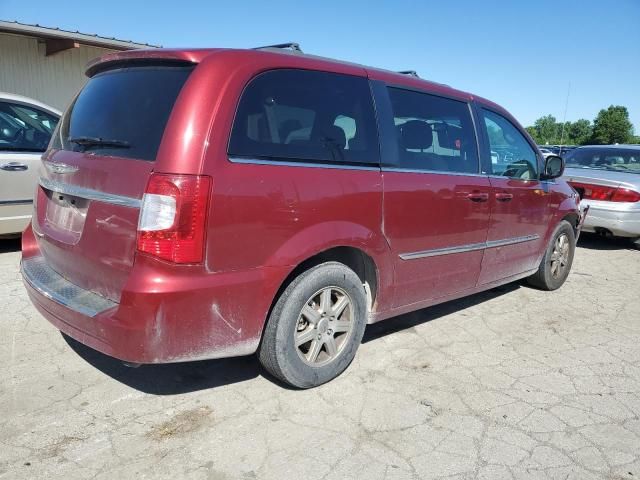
x: 504, y: 197
x: 14, y: 167
x: 478, y: 196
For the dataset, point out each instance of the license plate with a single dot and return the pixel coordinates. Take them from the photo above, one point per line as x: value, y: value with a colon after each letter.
x: 64, y: 215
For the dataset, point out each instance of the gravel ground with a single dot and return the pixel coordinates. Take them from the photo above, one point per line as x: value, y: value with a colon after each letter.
x: 511, y: 383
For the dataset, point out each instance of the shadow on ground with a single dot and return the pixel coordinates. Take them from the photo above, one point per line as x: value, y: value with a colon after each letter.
x: 410, y: 320
x: 8, y: 245
x: 177, y: 378
x: 171, y: 378
x: 598, y: 242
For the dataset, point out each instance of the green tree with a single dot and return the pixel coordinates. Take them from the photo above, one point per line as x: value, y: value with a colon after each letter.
x: 546, y: 130
x: 612, y: 126
x: 534, y: 134
x: 579, y: 132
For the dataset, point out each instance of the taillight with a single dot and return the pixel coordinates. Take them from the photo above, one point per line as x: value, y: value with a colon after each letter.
x: 173, y: 217
x: 625, y: 195
x: 610, y: 194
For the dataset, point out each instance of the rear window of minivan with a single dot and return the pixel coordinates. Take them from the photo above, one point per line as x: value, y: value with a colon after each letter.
x: 122, y: 112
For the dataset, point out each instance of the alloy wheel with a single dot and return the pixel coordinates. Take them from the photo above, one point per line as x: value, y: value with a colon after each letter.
x: 560, y: 255
x: 324, y: 326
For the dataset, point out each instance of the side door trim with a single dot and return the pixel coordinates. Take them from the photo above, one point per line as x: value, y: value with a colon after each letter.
x: 468, y: 248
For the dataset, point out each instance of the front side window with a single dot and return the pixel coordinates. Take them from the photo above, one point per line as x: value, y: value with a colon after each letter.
x: 433, y: 133
x: 510, y: 153
x: 307, y: 116
x: 25, y: 129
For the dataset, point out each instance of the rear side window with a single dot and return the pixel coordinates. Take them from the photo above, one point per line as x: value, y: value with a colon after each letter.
x: 123, y: 112
x: 24, y: 128
x: 433, y: 133
x: 306, y: 116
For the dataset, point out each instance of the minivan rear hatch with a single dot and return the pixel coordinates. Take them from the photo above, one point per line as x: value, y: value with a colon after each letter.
x: 96, y: 170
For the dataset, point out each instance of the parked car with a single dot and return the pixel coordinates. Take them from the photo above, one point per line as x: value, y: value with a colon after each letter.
x: 546, y: 152
x: 212, y: 203
x: 560, y: 150
x: 607, y: 178
x: 26, y: 126
x: 566, y: 149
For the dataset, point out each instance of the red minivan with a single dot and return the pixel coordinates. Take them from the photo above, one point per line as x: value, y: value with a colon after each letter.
x: 198, y: 204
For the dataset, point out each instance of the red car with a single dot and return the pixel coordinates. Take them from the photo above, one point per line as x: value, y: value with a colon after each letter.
x: 196, y: 204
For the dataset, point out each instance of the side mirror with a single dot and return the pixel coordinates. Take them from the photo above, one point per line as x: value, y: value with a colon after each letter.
x: 553, y: 167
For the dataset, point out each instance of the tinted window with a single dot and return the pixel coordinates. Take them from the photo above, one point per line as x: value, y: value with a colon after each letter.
x: 433, y: 133
x: 306, y: 115
x: 128, y: 107
x: 620, y: 159
x: 510, y: 153
x: 25, y: 129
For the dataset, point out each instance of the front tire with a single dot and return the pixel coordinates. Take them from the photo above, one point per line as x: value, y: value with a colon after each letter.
x: 315, y: 327
x: 557, y: 260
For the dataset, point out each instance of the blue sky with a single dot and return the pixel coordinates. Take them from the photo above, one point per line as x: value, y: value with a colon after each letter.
x: 520, y: 54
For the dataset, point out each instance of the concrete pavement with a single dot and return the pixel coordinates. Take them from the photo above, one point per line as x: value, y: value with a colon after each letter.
x: 512, y: 383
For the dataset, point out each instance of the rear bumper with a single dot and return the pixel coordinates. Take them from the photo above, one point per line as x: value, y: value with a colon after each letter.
x: 622, y: 220
x: 160, y: 318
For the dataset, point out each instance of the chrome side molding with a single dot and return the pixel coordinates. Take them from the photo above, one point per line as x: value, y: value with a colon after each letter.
x: 89, y: 194
x: 468, y: 248
x: 16, y: 202
x: 309, y: 164
x: 512, y: 241
x: 443, y: 251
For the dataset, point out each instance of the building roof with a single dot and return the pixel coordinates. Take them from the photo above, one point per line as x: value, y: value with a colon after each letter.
x: 49, y: 33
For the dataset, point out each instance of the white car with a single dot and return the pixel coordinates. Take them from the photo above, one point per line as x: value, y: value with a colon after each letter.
x: 607, y: 178
x: 26, y: 126
x: 545, y: 152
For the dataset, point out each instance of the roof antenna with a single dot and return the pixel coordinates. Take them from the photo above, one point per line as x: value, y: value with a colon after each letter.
x: 564, y: 119
x: 413, y: 73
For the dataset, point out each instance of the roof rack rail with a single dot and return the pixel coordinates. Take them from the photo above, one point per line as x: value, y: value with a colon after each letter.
x: 295, y: 47
x: 413, y: 73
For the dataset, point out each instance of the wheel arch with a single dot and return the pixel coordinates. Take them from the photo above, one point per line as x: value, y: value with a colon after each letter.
x: 573, y: 218
x: 353, y: 257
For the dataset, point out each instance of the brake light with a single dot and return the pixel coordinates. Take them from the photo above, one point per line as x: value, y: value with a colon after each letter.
x: 625, y: 195
x: 173, y: 217
x: 610, y: 194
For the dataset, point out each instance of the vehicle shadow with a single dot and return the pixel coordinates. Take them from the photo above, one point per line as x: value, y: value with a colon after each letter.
x: 8, y: 245
x: 178, y: 378
x: 592, y: 241
x: 171, y: 378
x: 412, y: 319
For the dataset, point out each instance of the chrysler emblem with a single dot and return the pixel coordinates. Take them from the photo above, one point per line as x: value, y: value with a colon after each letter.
x: 57, y: 167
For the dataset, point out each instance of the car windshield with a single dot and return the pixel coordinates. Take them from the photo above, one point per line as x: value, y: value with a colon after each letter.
x: 616, y: 159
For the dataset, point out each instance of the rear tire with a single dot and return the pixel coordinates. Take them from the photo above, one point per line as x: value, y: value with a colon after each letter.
x: 315, y: 327
x: 557, y: 260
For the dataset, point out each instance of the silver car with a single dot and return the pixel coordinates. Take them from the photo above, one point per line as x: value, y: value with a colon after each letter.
x: 607, y: 178
x: 26, y: 126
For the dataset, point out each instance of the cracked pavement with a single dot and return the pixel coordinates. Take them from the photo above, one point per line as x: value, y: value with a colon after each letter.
x: 513, y: 383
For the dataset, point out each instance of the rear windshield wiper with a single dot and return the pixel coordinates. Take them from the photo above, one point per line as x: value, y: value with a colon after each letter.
x: 99, y: 142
